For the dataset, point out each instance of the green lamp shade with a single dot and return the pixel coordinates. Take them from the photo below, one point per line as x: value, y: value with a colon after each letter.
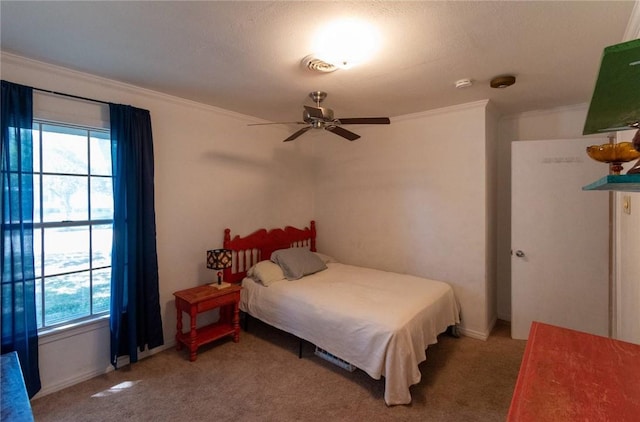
x: 615, y: 104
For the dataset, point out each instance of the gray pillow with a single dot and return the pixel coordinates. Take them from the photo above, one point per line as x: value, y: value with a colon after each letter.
x: 297, y: 262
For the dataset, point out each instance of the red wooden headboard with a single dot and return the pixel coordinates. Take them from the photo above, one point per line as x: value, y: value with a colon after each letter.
x: 259, y: 245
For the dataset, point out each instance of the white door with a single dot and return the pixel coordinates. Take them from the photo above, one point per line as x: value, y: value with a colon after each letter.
x: 559, y: 237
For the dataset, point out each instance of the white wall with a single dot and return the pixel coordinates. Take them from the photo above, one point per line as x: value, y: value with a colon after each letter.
x: 211, y: 172
x: 411, y: 197
x: 492, y: 227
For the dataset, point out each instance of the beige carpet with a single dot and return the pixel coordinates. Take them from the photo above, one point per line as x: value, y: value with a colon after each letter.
x: 262, y: 379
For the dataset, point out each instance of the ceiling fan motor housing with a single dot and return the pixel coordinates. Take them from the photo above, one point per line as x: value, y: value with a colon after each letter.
x: 311, y: 114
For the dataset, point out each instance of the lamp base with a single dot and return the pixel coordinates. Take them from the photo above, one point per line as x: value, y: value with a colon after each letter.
x: 222, y: 285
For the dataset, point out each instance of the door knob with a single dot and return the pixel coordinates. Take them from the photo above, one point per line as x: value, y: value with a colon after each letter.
x: 519, y: 253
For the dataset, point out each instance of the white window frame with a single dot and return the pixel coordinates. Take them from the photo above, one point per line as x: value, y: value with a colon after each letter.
x: 40, y: 226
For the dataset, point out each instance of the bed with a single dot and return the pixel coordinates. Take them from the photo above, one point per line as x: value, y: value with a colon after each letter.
x: 377, y: 321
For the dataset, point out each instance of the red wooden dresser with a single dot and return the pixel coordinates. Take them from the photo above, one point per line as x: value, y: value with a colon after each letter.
x: 568, y: 375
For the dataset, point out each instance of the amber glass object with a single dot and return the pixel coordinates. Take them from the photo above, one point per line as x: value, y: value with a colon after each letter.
x: 614, y: 154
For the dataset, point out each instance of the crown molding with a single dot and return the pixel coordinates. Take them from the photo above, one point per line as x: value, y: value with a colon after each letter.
x: 443, y: 110
x: 574, y: 107
x: 36, y: 65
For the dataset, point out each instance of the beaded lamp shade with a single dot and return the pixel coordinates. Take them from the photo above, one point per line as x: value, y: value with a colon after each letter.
x: 219, y: 259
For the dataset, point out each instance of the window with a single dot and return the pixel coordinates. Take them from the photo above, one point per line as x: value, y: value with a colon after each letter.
x: 73, y: 220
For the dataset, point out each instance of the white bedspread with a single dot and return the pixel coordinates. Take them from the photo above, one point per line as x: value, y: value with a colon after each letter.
x: 381, y: 322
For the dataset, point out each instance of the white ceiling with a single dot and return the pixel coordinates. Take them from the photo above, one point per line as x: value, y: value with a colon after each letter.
x: 245, y: 56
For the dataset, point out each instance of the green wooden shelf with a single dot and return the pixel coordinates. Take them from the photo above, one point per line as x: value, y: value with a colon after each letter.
x: 619, y: 182
x: 614, y: 104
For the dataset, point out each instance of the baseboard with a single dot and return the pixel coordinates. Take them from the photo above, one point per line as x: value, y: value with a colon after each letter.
x: 473, y: 333
x: 69, y: 382
x: 122, y: 361
x: 480, y: 335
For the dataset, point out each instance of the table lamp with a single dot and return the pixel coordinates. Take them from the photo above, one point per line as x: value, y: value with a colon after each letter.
x: 219, y: 259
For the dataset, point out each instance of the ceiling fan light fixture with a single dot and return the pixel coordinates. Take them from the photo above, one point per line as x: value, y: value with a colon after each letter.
x: 503, y: 81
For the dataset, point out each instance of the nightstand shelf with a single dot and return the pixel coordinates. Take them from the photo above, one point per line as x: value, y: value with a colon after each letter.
x: 207, y: 334
x: 206, y: 298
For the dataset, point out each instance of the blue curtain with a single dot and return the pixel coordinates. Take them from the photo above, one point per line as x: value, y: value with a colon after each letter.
x: 19, y: 323
x: 135, y: 320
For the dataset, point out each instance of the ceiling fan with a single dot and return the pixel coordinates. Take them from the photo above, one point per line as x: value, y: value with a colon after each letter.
x: 322, y: 118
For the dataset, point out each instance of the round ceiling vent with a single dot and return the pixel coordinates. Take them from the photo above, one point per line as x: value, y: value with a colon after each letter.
x: 503, y: 81
x: 317, y: 65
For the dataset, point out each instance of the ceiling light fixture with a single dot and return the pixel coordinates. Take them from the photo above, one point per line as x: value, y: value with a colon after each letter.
x: 346, y: 43
x: 503, y: 81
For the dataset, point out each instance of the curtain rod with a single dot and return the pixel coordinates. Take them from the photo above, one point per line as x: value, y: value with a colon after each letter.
x: 71, y: 96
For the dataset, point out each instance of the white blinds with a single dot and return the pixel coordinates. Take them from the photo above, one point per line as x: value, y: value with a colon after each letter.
x: 57, y: 108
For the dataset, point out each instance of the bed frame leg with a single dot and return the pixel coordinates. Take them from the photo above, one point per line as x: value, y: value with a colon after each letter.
x: 452, y: 330
x: 246, y: 321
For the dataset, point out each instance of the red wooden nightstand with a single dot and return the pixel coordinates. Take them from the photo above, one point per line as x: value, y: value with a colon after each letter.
x: 201, y: 299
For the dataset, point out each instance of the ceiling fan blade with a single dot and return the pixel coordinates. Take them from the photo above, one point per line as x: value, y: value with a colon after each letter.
x: 276, y: 123
x: 342, y: 132
x: 365, y: 121
x: 298, y: 133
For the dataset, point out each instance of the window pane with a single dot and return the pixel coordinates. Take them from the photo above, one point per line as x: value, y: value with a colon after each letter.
x: 16, y: 183
x: 36, y: 198
x: 35, y: 134
x: 100, y: 154
x: 102, y: 237
x: 37, y: 251
x: 64, y: 150
x: 66, y: 298
x: 39, y: 301
x: 66, y: 249
x: 101, y: 290
x: 101, y: 198
x: 65, y: 198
